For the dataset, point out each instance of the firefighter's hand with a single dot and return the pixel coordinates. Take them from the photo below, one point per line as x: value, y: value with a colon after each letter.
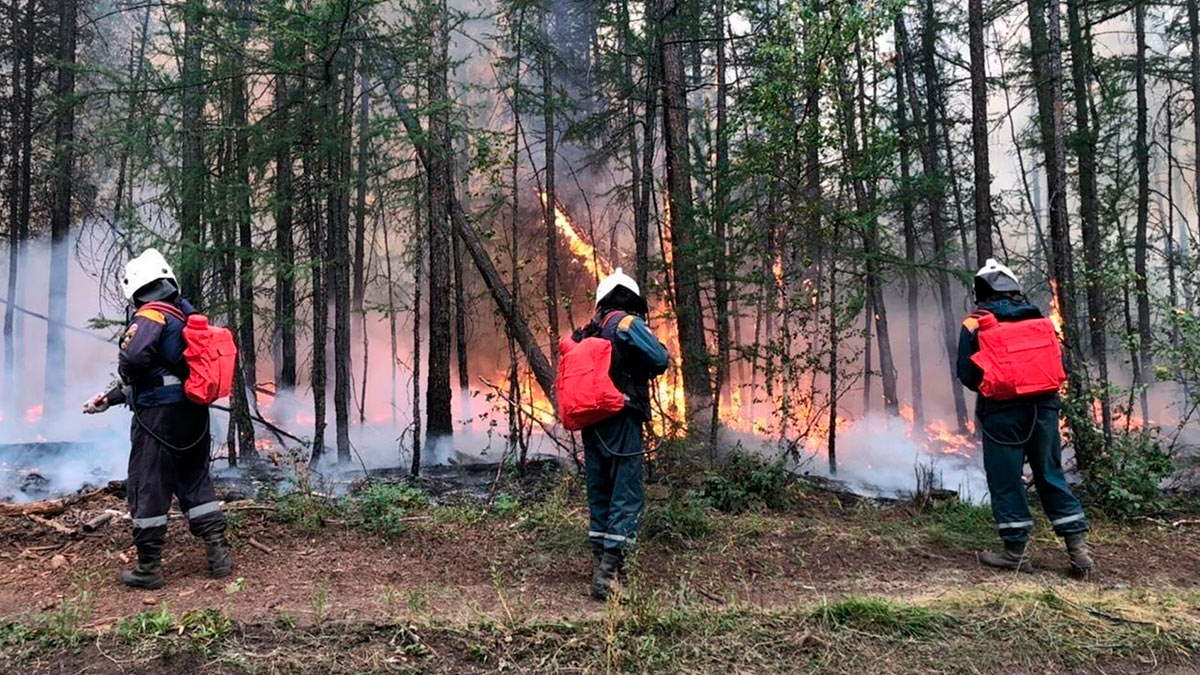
x: 96, y: 404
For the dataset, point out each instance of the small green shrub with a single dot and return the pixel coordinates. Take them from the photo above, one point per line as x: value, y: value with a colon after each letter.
x: 745, y: 481
x: 381, y: 507
x: 505, y: 505
x: 150, y: 623
x: 676, y: 519
x: 305, y: 510
x: 1124, y: 481
x: 882, y: 617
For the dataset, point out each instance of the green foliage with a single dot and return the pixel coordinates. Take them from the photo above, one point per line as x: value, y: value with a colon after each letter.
x: 381, y: 507
x: 505, y: 505
x: 206, y: 624
x: 1124, y: 481
x: 305, y: 510
x: 878, y: 616
x: 676, y: 519
x: 551, y: 521
x: 745, y: 481
x: 151, y: 623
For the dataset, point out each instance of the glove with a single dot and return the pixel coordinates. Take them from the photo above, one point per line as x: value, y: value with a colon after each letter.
x: 96, y: 404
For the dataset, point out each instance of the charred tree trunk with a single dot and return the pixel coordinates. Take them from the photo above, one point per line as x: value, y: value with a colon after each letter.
x: 979, y: 133
x: 1193, y: 11
x: 315, y: 120
x: 360, y: 203
x: 1141, y: 244
x: 833, y: 358
x: 439, y: 426
x: 420, y: 233
x: 60, y: 214
x: 1084, y: 144
x: 341, y: 114
x: 684, y: 265
x: 192, y: 174
x: 910, y: 247
x: 19, y: 124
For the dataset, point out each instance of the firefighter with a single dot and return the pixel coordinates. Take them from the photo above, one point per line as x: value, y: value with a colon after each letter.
x: 613, y: 448
x: 1016, y: 430
x: 170, y: 438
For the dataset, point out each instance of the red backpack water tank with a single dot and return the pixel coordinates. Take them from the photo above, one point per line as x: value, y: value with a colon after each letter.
x: 586, y: 393
x: 211, y: 356
x: 1018, y: 358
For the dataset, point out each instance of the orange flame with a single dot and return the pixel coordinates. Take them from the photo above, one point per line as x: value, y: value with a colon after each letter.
x: 34, y: 413
x: 1055, y: 310
x: 585, y: 252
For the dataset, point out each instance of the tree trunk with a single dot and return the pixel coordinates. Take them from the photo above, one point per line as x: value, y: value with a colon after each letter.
x: 315, y: 120
x: 285, y: 249
x: 1046, y: 45
x: 684, y: 264
x: 360, y: 202
x: 931, y: 165
x: 19, y: 123
x: 1193, y: 9
x: 60, y: 214
x: 550, y: 199
x: 239, y: 193
x: 1141, y: 149
x: 979, y: 133
x: 192, y: 174
x: 720, y: 218
x: 439, y: 428
x: 341, y: 115
x: 910, y: 247
x: 1085, y: 150
x: 460, y: 335
x: 833, y: 358
x: 419, y: 235
x: 649, y: 122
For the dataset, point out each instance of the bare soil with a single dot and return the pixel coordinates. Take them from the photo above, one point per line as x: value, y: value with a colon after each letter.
x: 351, y: 589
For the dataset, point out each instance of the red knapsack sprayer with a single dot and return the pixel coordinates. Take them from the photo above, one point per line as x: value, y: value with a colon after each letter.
x: 211, y: 355
x: 1018, y: 358
x: 586, y: 393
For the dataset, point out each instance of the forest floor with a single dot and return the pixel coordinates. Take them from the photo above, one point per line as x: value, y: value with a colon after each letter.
x: 825, y: 584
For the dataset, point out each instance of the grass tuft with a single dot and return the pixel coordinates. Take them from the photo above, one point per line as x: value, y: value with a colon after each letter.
x: 882, y: 617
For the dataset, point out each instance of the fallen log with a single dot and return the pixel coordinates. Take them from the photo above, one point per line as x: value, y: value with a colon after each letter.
x: 100, y: 520
x: 54, y: 507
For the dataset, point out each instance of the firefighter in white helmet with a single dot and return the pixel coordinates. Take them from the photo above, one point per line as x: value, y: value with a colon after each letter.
x: 1019, y: 422
x: 170, y: 438
x: 613, y: 447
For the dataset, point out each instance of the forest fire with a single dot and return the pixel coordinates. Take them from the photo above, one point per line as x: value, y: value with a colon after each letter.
x: 583, y: 251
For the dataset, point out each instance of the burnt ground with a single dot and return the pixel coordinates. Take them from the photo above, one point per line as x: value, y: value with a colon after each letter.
x: 459, y: 589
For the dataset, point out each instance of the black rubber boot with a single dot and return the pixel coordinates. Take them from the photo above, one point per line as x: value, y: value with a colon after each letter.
x: 606, y: 574
x: 220, y: 560
x: 147, y: 574
x: 1013, y: 557
x: 1081, y: 557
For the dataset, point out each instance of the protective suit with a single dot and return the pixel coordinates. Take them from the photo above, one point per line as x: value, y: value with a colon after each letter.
x: 1015, y: 431
x: 613, y: 448
x: 170, y: 441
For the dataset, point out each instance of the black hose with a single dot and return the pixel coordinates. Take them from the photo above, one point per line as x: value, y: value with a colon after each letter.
x: 1029, y: 437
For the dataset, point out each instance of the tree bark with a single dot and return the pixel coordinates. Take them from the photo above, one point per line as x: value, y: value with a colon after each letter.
x: 979, y: 133
x: 439, y: 422
x: 910, y: 247
x: 19, y: 123
x: 360, y: 203
x: 239, y: 192
x: 341, y: 127
x: 1141, y: 150
x: 649, y: 122
x: 549, y: 201
x: 192, y: 174
x: 285, y: 249
x: 680, y: 208
x: 460, y: 335
x: 721, y: 179
x: 1084, y: 143
x: 60, y: 214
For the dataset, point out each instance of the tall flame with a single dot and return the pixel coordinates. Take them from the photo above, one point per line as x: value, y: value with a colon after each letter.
x: 585, y: 252
x: 1055, y: 310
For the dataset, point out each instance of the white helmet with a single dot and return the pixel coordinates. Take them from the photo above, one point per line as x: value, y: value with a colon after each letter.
x: 612, y: 281
x: 145, y: 269
x: 995, y: 278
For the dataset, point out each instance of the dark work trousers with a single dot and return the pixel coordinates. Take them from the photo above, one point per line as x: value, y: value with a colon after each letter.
x: 158, y: 472
x: 1012, y: 436
x: 616, y: 494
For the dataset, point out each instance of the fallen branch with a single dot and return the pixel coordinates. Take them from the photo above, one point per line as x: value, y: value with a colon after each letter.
x: 1186, y: 521
x: 100, y: 520
x: 260, y: 546
x: 44, y: 522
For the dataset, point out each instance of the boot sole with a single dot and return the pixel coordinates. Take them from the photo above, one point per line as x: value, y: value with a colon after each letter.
x: 144, y: 587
